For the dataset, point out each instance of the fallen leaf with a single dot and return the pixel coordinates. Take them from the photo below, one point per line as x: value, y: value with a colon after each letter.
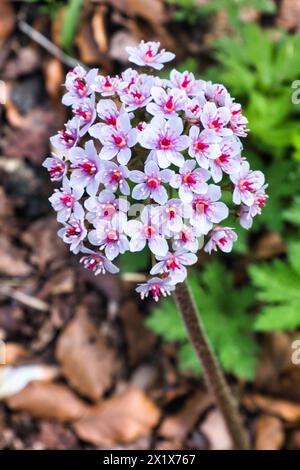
x: 7, y: 21
x: 49, y: 401
x: 269, y: 246
x: 99, y: 29
x: 123, y: 419
x: 56, y: 436
x: 14, y: 379
x: 216, y: 432
x: 14, y: 352
x: 140, y: 340
x: 176, y: 427
x: 269, y: 433
x: 119, y: 41
x: 54, y: 77
x: 87, y: 361
x: 12, y: 259
x: 284, y: 409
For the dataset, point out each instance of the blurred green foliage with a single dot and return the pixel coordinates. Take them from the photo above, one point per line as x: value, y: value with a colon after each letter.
x: 191, y: 12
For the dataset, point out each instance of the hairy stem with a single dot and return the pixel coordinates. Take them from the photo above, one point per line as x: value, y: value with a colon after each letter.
x: 213, y: 375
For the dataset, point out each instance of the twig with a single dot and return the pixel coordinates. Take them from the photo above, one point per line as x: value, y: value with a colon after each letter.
x: 213, y: 375
x: 24, y: 299
x: 48, y: 45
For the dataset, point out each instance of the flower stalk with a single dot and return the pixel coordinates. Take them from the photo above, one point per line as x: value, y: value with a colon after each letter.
x: 213, y: 374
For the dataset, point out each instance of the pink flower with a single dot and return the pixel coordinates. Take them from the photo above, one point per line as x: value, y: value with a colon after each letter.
x: 248, y: 212
x: 117, y: 142
x: 114, y: 176
x: 156, y: 287
x: 65, y: 202
x: 147, y: 230
x: 186, y: 81
x: 238, y: 122
x: 217, y: 93
x: 56, y: 167
x: 222, y: 238
x: 74, y: 231
x: 85, y: 113
x: 171, y: 214
x: 230, y: 159
x: 147, y: 55
x: 68, y: 137
x: 207, y: 210
x: 174, y: 264
x: 138, y: 94
x: 246, y: 183
x: 190, y: 181
x: 86, y: 167
x: 204, y: 146
x: 151, y: 183
x: 193, y: 107
x: 165, y: 103
x: 105, y: 206
x: 78, y: 83
x: 216, y: 119
x: 97, y: 263
x: 188, y: 239
x: 107, y: 85
x: 165, y: 140
x: 109, y: 236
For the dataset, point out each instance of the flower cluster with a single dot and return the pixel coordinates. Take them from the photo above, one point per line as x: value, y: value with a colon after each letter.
x: 145, y: 161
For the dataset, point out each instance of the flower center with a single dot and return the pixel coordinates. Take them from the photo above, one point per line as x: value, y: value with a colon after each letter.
x: 88, y: 167
x: 67, y: 200
x: 111, y: 120
x: 245, y: 185
x: 165, y: 143
x: 260, y: 201
x: 67, y: 137
x: 189, y: 179
x: 222, y: 241
x: 85, y: 115
x: 74, y: 231
x: 223, y: 158
x: 120, y: 141
x: 171, y: 211
x: 115, y: 177
x: 148, y: 57
x: 215, y: 124
x: 169, y: 105
x: 155, y: 291
x: 108, y: 209
x: 80, y: 85
x: 56, y: 170
x: 111, y: 236
x: 195, y: 109
x: 199, y: 146
x: 184, y: 236
x: 107, y: 86
x: 200, y: 206
x: 173, y: 264
x: 149, y: 231
x: 153, y: 182
x: 138, y: 97
x: 186, y: 82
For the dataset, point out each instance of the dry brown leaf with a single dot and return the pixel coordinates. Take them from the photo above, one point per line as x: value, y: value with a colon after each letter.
x: 14, y: 352
x: 176, y: 427
x: 284, y: 409
x: 12, y: 259
x: 123, y: 419
x: 49, y: 401
x: 87, y: 361
x: 88, y: 50
x: 7, y: 21
x: 269, y: 433
x: 99, y: 29
x: 140, y: 340
x: 216, y: 432
x: 54, y: 77
x: 269, y: 246
x: 56, y: 436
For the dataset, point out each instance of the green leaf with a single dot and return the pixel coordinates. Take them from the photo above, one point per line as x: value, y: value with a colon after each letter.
x: 135, y: 262
x: 223, y: 312
x: 70, y: 23
x: 278, y: 287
